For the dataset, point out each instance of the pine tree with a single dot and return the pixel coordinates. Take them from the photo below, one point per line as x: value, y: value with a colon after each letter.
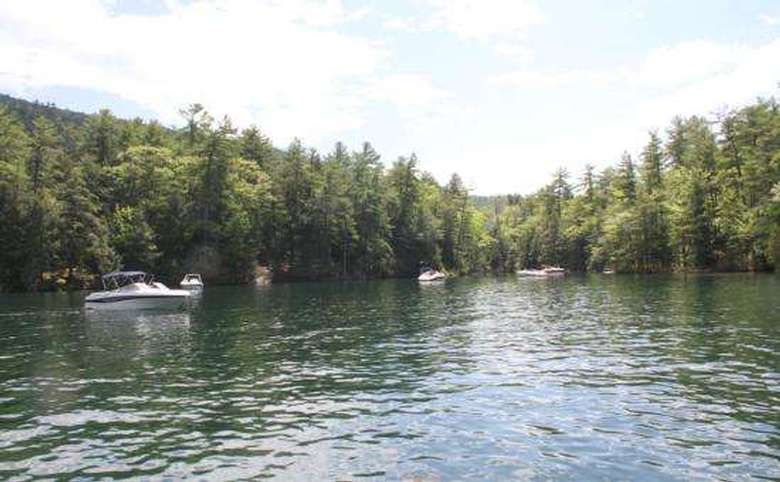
x: 101, y: 142
x: 652, y: 164
x: 46, y: 157
x: 82, y: 232
x: 373, y: 254
x: 589, y: 182
x: 677, y: 141
x: 625, y: 181
x: 454, y: 200
x: 14, y: 201
x: 215, y: 154
x: 405, y: 207
x: 654, y: 250
x: 255, y: 146
x: 198, y: 123
x: 338, y: 209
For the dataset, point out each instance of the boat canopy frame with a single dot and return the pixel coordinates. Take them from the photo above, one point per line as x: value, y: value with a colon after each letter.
x: 117, y: 279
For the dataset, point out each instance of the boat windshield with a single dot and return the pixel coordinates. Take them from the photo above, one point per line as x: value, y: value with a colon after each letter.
x: 117, y: 279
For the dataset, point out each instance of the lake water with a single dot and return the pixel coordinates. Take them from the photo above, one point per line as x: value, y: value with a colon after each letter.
x: 583, y: 378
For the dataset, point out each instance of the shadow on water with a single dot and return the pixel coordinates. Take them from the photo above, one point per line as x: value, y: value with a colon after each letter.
x: 587, y: 377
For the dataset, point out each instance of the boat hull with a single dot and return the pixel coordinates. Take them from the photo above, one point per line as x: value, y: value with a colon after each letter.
x: 191, y: 287
x: 540, y: 273
x: 169, y: 302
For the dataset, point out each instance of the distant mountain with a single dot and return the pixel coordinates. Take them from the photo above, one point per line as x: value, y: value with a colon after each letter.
x: 27, y: 111
x: 66, y: 120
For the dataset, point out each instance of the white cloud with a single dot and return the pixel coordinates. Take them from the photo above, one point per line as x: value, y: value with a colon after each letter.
x: 690, y: 62
x: 419, y: 104
x: 485, y: 19
x: 771, y: 20
x: 515, y: 51
x: 737, y: 77
x: 663, y: 69
x: 501, y: 24
x: 406, y: 90
x: 691, y: 78
x: 400, y: 24
x: 281, y: 63
x: 526, y: 165
x: 293, y: 67
x: 535, y: 79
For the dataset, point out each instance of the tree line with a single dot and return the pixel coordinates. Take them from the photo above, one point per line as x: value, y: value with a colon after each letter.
x: 705, y: 196
x: 79, y: 199
x: 81, y: 195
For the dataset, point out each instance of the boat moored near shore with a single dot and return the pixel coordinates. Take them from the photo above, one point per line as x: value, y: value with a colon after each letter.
x: 431, y: 274
x: 135, y: 290
x: 192, y: 282
x: 545, y: 271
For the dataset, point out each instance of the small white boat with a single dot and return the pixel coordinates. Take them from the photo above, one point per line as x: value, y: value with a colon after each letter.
x: 135, y: 290
x: 546, y: 271
x: 431, y: 275
x: 191, y: 282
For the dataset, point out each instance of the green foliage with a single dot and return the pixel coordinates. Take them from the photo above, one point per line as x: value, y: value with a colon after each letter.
x: 652, y: 164
x: 101, y: 140
x: 624, y: 183
x: 14, y: 200
x: 81, y: 229
x: 26, y: 112
x: 133, y: 238
x: 84, y: 194
x: 701, y: 201
x: 256, y: 147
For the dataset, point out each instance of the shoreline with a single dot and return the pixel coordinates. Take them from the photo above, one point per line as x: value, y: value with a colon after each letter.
x: 265, y: 282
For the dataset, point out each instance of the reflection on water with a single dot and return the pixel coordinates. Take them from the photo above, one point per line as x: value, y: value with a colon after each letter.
x: 146, y: 331
x: 579, y: 378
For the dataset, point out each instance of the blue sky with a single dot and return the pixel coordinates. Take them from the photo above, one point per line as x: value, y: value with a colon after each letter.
x: 501, y: 91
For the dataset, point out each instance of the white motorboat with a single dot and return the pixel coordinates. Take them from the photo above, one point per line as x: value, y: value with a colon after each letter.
x: 431, y: 275
x: 135, y: 290
x: 191, y: 282
x: 546, y: 271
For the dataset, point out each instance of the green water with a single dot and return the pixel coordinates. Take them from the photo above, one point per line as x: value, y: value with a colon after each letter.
x: 584, y: 378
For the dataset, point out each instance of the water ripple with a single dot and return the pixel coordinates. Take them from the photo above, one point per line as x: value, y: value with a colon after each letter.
x: 591, y: 378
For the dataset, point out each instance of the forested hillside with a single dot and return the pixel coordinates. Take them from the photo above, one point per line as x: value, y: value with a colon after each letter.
x: 79, y: 199
x: 705, y: 196
x: 27, y: 111
x: 80, y: 195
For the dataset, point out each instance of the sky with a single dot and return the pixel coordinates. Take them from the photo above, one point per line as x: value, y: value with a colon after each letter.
x: 503, y: 92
